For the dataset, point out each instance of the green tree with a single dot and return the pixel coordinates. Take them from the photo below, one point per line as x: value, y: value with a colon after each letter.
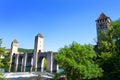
x: 78, y: 62
x: 2, y: 53
x: 2, y: 60
x: 109, y: 52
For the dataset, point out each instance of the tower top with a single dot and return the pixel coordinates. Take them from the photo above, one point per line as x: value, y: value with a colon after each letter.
x: 15, y: 41
x: 102, y: 16
x: 40, y: 35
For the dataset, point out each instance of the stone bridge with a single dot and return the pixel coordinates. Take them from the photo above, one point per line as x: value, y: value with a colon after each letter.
x: 28, y: 62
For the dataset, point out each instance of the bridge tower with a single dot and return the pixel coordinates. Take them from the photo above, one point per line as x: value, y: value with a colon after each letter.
x: 14, y: 50
x: 38, y: 47
x: 14, y: 47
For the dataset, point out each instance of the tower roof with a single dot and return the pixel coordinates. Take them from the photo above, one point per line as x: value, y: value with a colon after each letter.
x: 40, y: 35
x: 15, y: 41
x: 102, y: 16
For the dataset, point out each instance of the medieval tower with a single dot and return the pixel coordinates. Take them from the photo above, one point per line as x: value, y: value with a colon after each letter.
x: 14, y: 47
x: 14, y: 50
x: 38, y: 47
x: 102, y: 24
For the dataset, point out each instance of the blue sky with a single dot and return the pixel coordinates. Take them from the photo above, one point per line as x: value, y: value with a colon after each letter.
x: 60, y: 21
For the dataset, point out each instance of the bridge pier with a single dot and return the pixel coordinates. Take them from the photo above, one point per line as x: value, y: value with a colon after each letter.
x: 22, y: 65
x: 31, y: 68
x: 10, y: 63
x: 24, y: 62
x: 35, y: 60
x: 50, y: 62
x: 16, y: 62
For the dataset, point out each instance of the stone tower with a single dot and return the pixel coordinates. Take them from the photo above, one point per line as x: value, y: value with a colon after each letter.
x: 38, y: 47
x: 102, y: 24
x: 14, y: 47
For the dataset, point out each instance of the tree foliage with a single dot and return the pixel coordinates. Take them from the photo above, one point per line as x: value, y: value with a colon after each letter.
x: 78, y: 61
x: 4, y: 62
x: 25, y: 50
x: 109, y: 52
x: 2, y: 77
x: 2, y: 53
